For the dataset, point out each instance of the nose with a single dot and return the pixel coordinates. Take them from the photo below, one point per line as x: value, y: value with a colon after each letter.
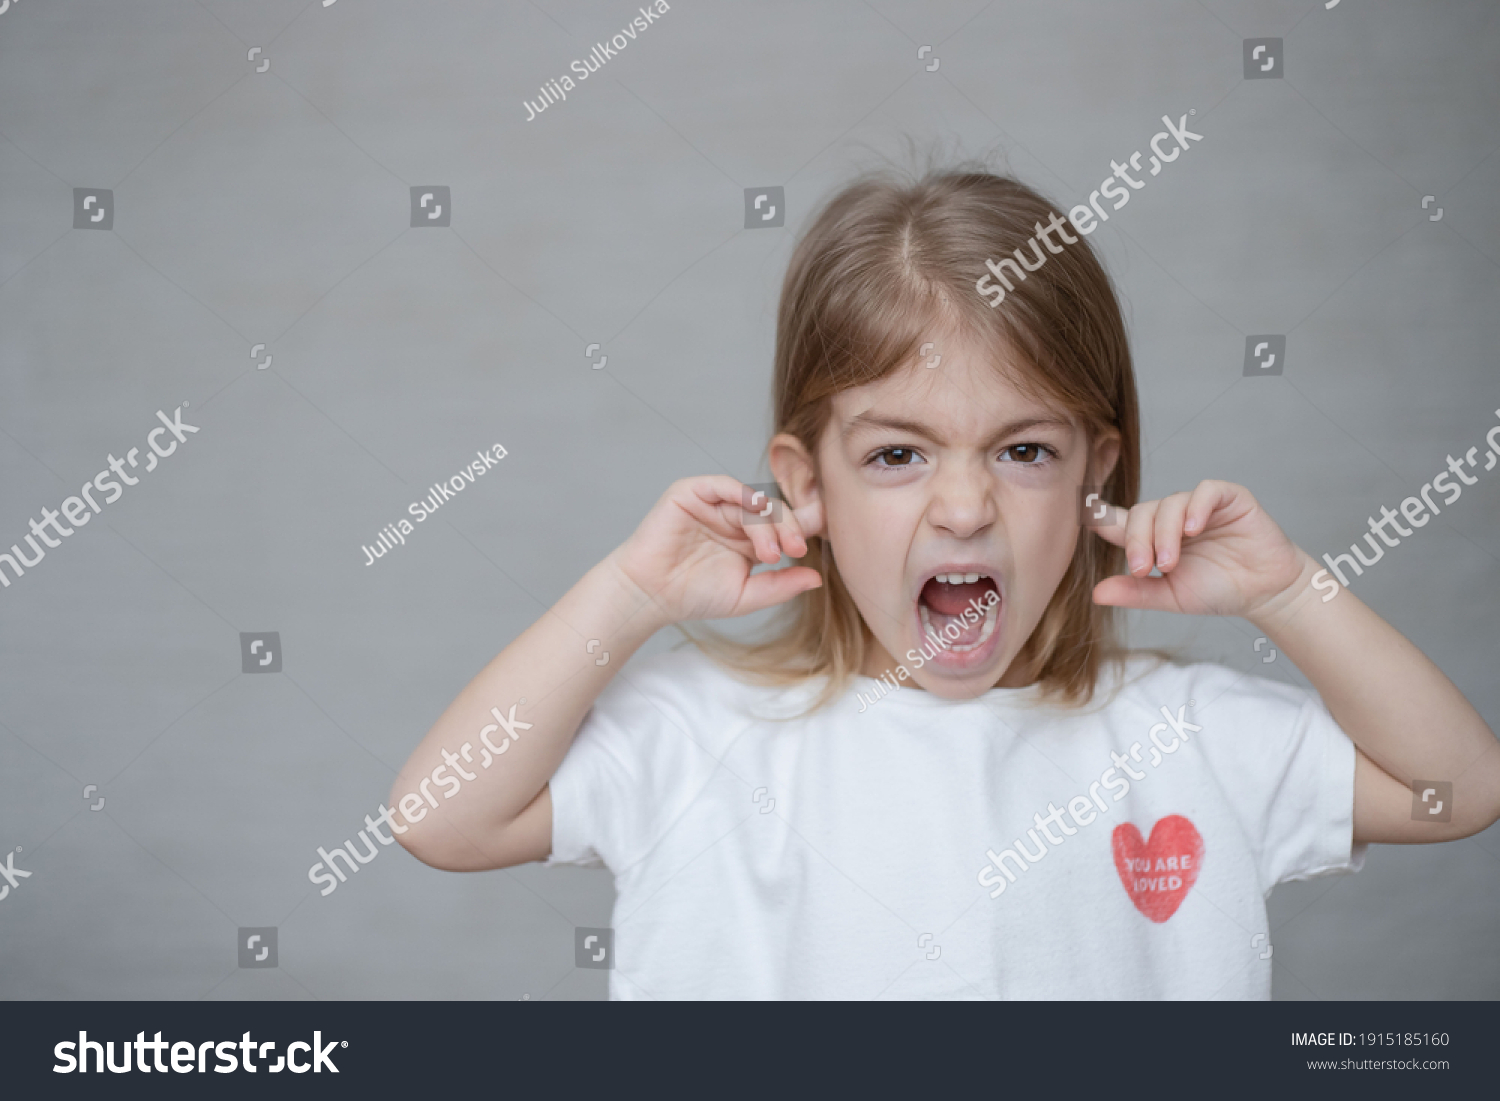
x: 963, y: 500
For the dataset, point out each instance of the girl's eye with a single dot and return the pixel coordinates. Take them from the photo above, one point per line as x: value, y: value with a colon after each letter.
x: 1029, y: 454
x: 895, y: 456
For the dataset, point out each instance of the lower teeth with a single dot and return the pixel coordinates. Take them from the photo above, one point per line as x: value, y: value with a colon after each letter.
x: 991, y: 616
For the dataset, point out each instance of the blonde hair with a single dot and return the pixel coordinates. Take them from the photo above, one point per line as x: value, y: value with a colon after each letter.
x: 882, y: 265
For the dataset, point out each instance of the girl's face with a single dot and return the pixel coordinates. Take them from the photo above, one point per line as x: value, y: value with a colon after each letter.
x: 950, y: 501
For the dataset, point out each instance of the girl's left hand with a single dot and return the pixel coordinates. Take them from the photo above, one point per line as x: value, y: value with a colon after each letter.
x: 1218, y: 551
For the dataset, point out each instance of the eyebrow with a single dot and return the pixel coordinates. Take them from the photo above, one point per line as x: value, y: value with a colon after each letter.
x: 917, y: 428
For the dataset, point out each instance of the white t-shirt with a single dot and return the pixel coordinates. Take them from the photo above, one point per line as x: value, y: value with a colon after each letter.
x: 850, y: 853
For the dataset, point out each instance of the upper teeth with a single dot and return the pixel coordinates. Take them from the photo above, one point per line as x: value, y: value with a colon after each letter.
x: 959, y: 578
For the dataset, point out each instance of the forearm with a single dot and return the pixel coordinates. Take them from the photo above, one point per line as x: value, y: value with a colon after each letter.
x: 553, y: 670
x: 1394, y: 703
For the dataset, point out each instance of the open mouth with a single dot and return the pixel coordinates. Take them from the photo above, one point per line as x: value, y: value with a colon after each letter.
x: 961, y: 610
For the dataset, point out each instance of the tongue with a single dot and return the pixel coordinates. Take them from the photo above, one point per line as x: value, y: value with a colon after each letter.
x: 951, y: 600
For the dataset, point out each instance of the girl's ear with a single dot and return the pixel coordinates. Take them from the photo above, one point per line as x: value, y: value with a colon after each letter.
x: 1106, y: 452
x: 797, y: 475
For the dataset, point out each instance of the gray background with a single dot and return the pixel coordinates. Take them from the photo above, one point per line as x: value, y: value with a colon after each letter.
x: 274, y: 208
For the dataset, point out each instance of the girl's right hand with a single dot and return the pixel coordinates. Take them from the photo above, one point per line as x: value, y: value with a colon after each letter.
x: 693, y: 552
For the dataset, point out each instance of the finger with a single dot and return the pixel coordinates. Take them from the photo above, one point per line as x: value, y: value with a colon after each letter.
x: 770, y: 526
x: 1106, y: 521
x: 770, y: 587
x: 1207, y: 496
x: 794, y: 526
x: 745, y: 531
x: 1166, y: 530
x: 762, y: 536
x: 810, y: 518
x: 718, y: 501
x: 1139, y: 551
x: 789, y: 534
x: 716, y: 489
x: 1152, y: 594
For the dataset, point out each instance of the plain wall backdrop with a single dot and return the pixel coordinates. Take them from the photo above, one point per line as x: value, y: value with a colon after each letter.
x: 271, y: 204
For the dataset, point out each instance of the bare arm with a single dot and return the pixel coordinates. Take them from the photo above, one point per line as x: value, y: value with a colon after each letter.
x: 503, y: 816
x: 474, y: 795
x: 1409, y: 720
x: 1219, y: 553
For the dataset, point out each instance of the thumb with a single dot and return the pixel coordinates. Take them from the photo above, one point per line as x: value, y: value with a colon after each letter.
x: 769, y: 587
x: 1145, y: 593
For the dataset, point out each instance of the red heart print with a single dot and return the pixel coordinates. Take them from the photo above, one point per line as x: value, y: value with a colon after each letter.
x: 1158, y: 874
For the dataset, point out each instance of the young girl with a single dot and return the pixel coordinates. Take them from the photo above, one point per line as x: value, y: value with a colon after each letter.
x: 942, y: 778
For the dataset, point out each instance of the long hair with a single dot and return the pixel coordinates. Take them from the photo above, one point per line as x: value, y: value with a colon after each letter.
x: 884, y: 263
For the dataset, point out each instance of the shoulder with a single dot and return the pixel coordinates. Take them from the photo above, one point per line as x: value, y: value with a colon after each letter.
x: 1206, y: 689
x: 686, y: 688
x: 1243, y: 716
x: 689, y: 677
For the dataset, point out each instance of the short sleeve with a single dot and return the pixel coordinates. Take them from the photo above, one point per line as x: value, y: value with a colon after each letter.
x: 1309, y: 819
x: 1285, y: 768
x: 580, y: 799
x: 633, y: 766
